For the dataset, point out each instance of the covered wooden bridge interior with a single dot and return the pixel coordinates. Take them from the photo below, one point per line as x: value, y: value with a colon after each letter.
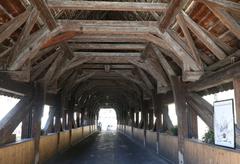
x: 133, y: 56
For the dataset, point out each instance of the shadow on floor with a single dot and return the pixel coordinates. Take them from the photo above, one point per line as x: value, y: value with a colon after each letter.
x: 107, y: 148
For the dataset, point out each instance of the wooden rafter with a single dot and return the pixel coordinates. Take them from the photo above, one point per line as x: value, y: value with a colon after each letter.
x: 50, y: 21
x: 8, y: 28
x: 206, y: 40
x: 225, y: 18
x: 174, y: 8
x: 107, y: 6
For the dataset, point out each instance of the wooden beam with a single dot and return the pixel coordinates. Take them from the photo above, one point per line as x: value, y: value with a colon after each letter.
x: 30, y: 48
x: 190, y: 42
x: 14, y: 117
x: 205, y: 39
x: 174, y: 8
x: 8, y: 28
x: 87, y: 46
x: 146, y: 79
x: 106, y: 39
x: 181, y: 110
x: 224, y: 62
x: 45, y: 13
x: 202, y: 108
x: 108, y: 54
x: 42, y: 66
x: 49, y: 124
x: 108, y: 27
x: 39, y: 97
x: 229, y: 5
x: 168, y: 69
x: 12, y: 86
x: 107, y: 6
x: 214, y: 79
x: 226, y: 19
x: 236, y: 85
x: 25, y: 32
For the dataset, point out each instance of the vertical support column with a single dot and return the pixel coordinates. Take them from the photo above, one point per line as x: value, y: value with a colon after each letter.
x: 192, y: 123
x: 58, y: 114
x: 132, y: 119
x: 144, y: 119
x: 236, y: 85
x: 64, y: 122
x: 137, y: 119
x: 165, y: 117
x: 27, y: 126
x: 151, y: 119
x: 78, y: 119
x: 181, y: 110
x: 37, y: 114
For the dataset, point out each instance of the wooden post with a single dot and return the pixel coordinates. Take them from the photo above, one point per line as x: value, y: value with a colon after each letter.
x: 137, y: 119
x: 181, y: 110
x: 26, y: 126
x: 236, y: 85
x: 58, y: 114
x: 37, y: 114
x: 151, y: 119
x: 144, y: 119
x: 192, y: 123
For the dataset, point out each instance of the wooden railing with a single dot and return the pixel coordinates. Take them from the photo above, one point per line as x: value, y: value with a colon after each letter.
x: 50, y: 145
x: 195, y: 151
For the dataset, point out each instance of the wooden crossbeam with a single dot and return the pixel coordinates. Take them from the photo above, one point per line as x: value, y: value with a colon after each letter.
x: 107, y: 54
x: 205, y: 39
x: 224, y: 4
x: 214, y: 79
x: 106, y: 39
x: 107, y: 6
x: 174, y: 8
x: 108, y: 27
x: 188, y: 37
x: 45, y: 13
x: 8, y: 28
x: 87, y: 46
x: 14, y: 117
x: 202, y: 108
x: 226, y: 19
x: 12, y: 86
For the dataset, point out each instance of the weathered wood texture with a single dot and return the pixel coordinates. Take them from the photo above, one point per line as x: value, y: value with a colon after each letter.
x: 107, y: 6
x: 48, y: 146
x: 21, y: 153
x: 202, y: 153
x: 14, y: 117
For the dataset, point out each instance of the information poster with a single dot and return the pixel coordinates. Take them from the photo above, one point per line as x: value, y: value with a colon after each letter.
x: 224, y: 123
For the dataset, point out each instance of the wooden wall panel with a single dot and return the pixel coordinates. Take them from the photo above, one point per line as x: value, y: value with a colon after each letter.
x: 20, y: 153
x: 86, y: 131
x: 151, y: 139
x: 64, y: 140
x: 46, y: 151
x: 199, y: 153
x: 168, y: 146
x: 138, y: 134
x: 77, y: 135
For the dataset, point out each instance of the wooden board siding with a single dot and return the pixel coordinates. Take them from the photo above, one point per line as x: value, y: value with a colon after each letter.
x: 199, y: 153
x: 77, y: 135
x: 47, y: 151
x: 151, y: 139
x: 168, y: 146
x: 64, y: 140
x: 20, y: 153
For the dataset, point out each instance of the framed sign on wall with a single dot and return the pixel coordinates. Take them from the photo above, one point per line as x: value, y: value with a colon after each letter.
x: 224, y: 131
